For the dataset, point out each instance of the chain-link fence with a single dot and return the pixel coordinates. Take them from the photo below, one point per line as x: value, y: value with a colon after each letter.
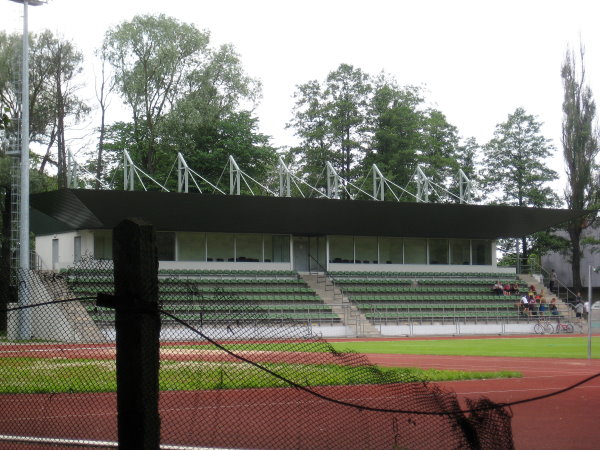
x: 231, y: 375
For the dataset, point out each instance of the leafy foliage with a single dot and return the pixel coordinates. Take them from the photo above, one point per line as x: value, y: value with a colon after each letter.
x: 580, y: 149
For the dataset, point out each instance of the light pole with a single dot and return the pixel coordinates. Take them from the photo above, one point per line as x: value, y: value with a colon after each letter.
x: 589, y: 308
x: 25, y: 319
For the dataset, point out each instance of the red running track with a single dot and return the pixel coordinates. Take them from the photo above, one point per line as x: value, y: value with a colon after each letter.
x: 567, y: 421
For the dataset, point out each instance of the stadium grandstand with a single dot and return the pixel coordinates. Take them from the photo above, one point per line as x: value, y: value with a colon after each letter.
x: 346, y: 266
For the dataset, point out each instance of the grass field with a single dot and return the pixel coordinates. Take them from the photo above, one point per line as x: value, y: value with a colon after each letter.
x: 58, y: 375
x: 531, y: 347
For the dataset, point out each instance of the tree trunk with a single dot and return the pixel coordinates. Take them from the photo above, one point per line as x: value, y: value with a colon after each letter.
x: 46, y: 157
x: 524, y: 253
x: 575, y: 236
x: 100, y: 146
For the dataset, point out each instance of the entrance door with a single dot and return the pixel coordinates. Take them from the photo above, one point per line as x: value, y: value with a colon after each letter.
x: 77, y: 249
x: 309, y: 253
x: 301, y: 252
x: 54, y: 253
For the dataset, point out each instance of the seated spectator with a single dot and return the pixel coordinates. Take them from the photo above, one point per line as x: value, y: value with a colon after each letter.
x: 532, y: 306
x: 525, y: 305
x: 553, y: 308
x: 507, y: 289
x: 543, y: 306
x: 514, y: 288
x: 498, y: 288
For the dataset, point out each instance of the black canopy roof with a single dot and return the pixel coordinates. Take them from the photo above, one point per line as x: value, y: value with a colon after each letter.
x: 70, y: 209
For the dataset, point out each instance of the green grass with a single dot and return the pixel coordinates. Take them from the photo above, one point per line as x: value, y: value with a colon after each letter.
x: 533, y: 347
x: 530, y: 347
x: 41, y: 375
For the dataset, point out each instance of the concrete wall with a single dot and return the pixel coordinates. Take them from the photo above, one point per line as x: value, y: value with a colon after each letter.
x: 66, y: 248
x: 562, y: 265
x: 59, y: 322
x: 458, y: 329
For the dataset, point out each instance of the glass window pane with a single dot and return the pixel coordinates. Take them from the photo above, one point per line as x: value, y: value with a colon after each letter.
x: 460, y: 251
x: 248, y: 247
x: 366, y: 249
x: 341, y: 249
x: 318, y: 253
x: 165, y: 245
x: 482, y: 252
x: 191, y: 246
x: 438, y: 251
x: 103, y: 244
x: 219, y: 246
x: 415, y: 251
x: 277, y: 248
x: 390, y: 250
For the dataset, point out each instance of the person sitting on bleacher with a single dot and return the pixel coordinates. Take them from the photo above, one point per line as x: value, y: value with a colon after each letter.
x: 498, y: 288
x: 525, y: 305
x: 514, y: 288
x: 543, y: 306
x: 532, y: 305
x: 553, y: 308
x: 507, y: 289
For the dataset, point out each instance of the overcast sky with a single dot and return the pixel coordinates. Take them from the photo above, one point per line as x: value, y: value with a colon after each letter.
x: 477, y: 60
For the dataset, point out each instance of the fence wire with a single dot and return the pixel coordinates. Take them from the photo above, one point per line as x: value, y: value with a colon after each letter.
x: 238, y: 369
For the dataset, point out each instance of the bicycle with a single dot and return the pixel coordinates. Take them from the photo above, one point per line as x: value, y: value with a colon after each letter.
x: 543, y: 327
x: 566, y: 327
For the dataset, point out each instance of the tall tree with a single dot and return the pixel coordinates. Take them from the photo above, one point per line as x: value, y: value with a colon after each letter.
x: 439, y: 152
x: 397, y: 120
x: 580, y: 149
x: 332, y: 120
x: 104, y: 87
x: 153, y: 58
x: 515, y: 169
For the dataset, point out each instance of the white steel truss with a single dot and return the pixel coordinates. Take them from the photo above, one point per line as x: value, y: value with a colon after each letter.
x: 289, y: 183
x: 422, y: 186
x: 131, y: 171
x: 465, y: 187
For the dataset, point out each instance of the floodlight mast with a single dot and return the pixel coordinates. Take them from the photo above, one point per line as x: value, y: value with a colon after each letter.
x: 24, y: 329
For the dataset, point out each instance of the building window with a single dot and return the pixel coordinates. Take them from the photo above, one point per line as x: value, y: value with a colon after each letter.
x: 191, y: 246
x: 103, y: 244
x: 438, y: 251
x: 365, y: 248
x: 248, y: 247
x: 277, y: 248
x: 482, y: 252
x: 341, y: 249
x: 415, y: 251
x: 390, y: 250
x: 460, y: 251
x: 165, y: 245
x: 219, y: 247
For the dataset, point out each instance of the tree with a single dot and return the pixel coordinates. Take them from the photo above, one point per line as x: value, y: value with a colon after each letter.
x: 332, y: 121
x: 515, y: 172
x: 397, y: 121
x: 54, y: 65
x: 439, y: 154
x: 104, y: 88
x: 153, y: 58
x: 580, y: 149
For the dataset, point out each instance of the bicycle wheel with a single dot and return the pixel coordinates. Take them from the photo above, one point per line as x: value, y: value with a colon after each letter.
x: 538, y: 328
x: 569, y: 328
x: 548, y: 328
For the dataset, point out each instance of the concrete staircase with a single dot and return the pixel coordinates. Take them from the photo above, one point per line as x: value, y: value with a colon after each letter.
x: 564, y: 309
x: 348, y: 313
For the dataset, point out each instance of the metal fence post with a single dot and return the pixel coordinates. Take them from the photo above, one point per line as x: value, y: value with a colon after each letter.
x: 137, y: 334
